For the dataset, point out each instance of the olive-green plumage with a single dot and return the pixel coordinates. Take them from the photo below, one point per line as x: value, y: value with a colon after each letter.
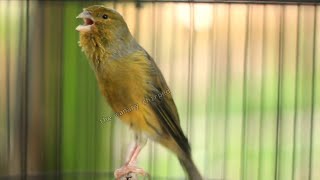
x: 127, y: 75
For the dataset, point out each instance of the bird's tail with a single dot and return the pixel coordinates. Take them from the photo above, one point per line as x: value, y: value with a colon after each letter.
x: 190, y: 168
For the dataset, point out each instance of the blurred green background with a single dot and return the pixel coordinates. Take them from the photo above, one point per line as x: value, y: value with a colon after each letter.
x: 245, y: 78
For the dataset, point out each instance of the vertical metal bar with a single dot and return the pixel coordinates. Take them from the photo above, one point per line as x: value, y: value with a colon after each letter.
x: 172, y: 56
x: 114, y: 4
x: 111, y: 164
x: 244, y: 95
x: 154, y: 30
x: 60, y: 98
x: 137, y: 21
x: 313, y: 92
x: 279, y: 93
x: 216, y: 67
x: 172, y: 51
x: 227, y: 94
x: 113, y: 125
x: 95, y: 137
x: 24, y: 118
x: 7, y: 80
x: 209, y: 103
x: 296, y: 95
x: 93, y: 134
x: 262, y: 90
x: 21, y: 68
x: 190, y: 70
x: 40, y: 9
x: 152, y: 151
x: 78, y: 116
x: 23, y: 130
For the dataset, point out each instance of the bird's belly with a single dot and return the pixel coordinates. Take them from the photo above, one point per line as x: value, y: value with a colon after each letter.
x: 137, y: 114
x: 125, y: 92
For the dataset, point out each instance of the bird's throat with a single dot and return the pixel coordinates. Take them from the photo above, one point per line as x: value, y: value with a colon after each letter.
x: 93, y: 46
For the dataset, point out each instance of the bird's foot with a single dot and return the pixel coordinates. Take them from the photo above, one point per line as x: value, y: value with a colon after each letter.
x: 129, y: 172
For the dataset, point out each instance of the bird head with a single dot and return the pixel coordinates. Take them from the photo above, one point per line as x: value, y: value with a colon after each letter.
x: 102, y: 26
x: 99, y: 18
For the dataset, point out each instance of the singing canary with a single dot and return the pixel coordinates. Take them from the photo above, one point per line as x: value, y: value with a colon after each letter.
x: 128, y: 76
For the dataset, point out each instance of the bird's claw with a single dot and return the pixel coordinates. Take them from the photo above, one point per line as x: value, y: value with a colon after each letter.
x: 129, y: 176
x: 130, y: 173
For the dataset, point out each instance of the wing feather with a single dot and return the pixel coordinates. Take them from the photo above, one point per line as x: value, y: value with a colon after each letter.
x: 165, y: 108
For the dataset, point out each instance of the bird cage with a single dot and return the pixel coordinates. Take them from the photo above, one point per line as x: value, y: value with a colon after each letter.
x: 245, y: 76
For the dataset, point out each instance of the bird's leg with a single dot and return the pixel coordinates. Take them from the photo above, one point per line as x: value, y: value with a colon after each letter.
x: 132, y: 149
x: 130, y: 166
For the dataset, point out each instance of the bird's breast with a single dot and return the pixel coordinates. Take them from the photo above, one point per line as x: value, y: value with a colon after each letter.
x: 126, y: 83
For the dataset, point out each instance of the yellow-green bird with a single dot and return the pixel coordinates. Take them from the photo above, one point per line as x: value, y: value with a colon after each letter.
x: 127, y: 76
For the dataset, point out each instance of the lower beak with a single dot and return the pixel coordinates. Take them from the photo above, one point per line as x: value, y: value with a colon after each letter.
x: 88, y: 21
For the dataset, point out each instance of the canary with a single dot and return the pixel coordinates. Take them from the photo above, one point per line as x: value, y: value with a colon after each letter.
x: 128, y: 76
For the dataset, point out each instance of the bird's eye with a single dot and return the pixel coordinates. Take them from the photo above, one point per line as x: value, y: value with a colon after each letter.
x: 105, y: 16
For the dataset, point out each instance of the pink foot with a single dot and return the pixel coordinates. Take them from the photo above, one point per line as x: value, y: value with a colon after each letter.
x: 128, y: 172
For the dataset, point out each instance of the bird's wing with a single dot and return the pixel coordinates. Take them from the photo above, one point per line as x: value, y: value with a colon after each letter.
x: 165, y: 108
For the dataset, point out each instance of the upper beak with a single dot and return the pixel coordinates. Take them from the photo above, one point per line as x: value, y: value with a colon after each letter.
x: 84, y: 14
x: 88, y: 21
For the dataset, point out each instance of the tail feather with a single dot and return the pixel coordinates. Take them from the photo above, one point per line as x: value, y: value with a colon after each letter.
x: 190, y: 168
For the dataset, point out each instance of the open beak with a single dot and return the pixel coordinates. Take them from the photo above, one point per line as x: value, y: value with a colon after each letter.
x: 88, y: 21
